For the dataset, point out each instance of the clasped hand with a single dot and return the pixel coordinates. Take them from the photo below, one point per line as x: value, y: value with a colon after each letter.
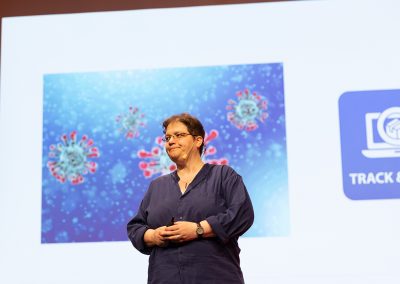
x: 179, y: 232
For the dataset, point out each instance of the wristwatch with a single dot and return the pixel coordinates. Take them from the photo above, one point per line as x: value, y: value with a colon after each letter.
x: 199, y: 231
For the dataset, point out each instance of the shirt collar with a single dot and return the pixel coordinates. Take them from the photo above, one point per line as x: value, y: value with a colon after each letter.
x: 199, y: 177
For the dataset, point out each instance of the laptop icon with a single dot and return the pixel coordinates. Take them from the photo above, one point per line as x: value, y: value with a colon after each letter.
x: 383, y: 134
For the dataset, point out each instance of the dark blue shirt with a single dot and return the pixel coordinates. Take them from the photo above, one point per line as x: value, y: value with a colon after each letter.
x: 218, y: 195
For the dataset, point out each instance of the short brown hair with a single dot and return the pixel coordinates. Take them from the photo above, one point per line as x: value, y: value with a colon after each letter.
x: 193, y: 125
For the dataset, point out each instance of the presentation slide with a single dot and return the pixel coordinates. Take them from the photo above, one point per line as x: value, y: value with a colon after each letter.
x: 301, y: 98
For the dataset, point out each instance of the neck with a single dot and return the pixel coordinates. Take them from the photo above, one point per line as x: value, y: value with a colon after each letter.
x: 188, y: 172
x: 191, y: 166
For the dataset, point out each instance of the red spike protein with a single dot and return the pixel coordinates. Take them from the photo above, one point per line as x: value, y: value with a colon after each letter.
x: 71, y: 159
x: 211, y: 150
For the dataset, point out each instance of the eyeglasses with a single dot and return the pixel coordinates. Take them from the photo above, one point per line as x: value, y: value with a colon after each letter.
x: 177, y: 135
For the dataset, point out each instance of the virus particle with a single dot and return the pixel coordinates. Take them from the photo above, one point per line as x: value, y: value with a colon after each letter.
x: 211, y: 150
x: 130, y: 122
x: 70, y: 160
x: 157, y: 160
x: 244, y: 113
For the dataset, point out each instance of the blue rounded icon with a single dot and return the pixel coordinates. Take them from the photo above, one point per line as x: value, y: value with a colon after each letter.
x: 370, y: 144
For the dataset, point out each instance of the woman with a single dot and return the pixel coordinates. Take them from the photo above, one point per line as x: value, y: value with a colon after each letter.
x: 189, y: 221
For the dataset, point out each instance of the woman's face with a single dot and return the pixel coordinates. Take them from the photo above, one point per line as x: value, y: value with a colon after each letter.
x: 181, y: 148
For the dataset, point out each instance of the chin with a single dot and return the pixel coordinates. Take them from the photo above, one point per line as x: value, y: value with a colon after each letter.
x: 173, y: 156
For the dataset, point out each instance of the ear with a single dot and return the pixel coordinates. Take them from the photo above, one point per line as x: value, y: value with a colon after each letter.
x: 198, y: 141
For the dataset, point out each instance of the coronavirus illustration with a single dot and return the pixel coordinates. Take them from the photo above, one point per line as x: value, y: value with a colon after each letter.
x: 249, y: 108
x: 70, y: 160
x: 130, y: 122
x: 157, y: 161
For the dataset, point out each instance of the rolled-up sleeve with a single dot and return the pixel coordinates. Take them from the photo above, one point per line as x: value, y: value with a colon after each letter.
x: 239, y: 215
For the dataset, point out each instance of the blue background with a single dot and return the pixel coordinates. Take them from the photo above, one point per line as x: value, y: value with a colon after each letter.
x: 99, y: 208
